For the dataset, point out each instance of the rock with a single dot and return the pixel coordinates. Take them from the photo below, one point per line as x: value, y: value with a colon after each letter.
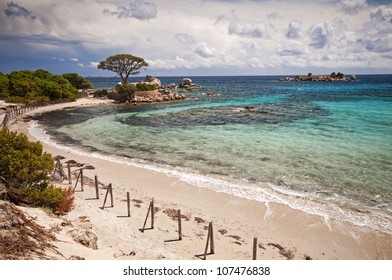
x: 152, y: 81
x: 186, y: 82
x: 172, y: 85
x: 3, y: 192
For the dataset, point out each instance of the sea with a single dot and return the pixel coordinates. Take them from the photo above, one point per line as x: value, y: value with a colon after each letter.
x: 321, y: 147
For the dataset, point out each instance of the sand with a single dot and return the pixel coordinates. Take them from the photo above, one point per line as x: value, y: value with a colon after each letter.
x: 281, y: 232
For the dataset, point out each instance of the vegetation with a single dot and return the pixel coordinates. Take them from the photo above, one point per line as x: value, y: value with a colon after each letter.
x: 123, y: 65
x: 78, y: 81
x: 24, y: 166
x: 35, y: 86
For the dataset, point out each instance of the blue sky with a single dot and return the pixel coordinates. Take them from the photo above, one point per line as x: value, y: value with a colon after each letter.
x: 198, y: 37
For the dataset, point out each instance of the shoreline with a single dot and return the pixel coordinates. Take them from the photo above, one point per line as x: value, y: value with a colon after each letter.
x: 300, y: 234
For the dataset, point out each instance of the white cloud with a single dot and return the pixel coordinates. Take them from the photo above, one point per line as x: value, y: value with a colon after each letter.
x: 94, y: 64
x: 184, y: 38
x: 196, y: 34
x: 320, y: 34
x: 81, y: 64
x: 352, y: 7
x: 137, y: 9
x: 204, y: 51
x: 294, y: 30
x: 253, y: 30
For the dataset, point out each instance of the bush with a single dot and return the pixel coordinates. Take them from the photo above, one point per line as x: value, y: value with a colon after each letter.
x: 25, y: 166
x: 101, y: 93
x: 23, y: 162
x: 144, y: 87
x: 59, y: 200
x: 125, y: 92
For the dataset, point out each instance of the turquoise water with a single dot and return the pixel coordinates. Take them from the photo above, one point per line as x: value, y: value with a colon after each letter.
x: 328, y: 142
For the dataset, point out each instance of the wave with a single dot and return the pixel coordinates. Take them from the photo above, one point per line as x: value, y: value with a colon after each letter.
x: 315, y: 204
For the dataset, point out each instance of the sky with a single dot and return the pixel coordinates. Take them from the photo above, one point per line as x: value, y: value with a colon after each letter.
x: 198, y: 37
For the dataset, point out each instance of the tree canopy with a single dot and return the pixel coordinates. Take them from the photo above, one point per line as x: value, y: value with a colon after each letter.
x: 77, y: 81
x: 123, y: 65
x: 40, y: 85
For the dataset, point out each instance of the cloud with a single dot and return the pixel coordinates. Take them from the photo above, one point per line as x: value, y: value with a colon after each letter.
x: 137, y: 9
x: 294, y: 30
x: 320, y: 34
x: 352, y: 7
x: 14, y: 10
x: 203, y: 50
x: 94, y: 64
x: 74, y: 59
x: 291, y: 49
x: 274, y: 15
x: 253, y: 30
x: 81, y: 64
x: 376, y: 33
x: 382, y: 13
x: 184, y: 38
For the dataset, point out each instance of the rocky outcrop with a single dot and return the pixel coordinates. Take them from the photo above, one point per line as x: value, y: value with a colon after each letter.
x: 187, y: 83
x: 150, y: 80
x: 333, y: 77
x: 157, y: 96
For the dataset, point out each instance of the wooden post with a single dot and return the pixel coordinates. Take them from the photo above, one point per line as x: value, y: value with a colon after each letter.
x: 111, y: 193
x: 81, y: 179
x: 96, y: 187
x: 210, y: 241
x: 109, y: 190
x: 150, y: 209
x: 152, y: 214
x: 128, y: 205
x: 179, y: 224
x: 254, y: 248
x: 69, y: 173
x: 77, y: 180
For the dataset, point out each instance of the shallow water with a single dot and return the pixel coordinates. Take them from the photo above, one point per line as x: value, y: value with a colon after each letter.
x: 328, y: 142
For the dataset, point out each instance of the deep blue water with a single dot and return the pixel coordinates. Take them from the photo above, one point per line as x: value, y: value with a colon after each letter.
x: 328, y: 141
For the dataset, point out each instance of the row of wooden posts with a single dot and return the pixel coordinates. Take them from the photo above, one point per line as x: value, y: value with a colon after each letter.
x: 23, y: 109
x: 210, y: 244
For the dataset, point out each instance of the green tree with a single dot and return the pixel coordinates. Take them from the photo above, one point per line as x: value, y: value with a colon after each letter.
x: 77, y: 81
x: 124, y: 65
x: 22, y: 162
x: 4, y: 84
x: 24, y: 166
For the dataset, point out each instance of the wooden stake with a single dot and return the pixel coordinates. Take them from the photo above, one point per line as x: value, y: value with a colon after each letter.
x: 210, y: 241
x: 109, y: 190
x: 152, y: 214
x: 179, y: 224
x: 128, y: 205
x: 96, y: 187
x: 111, y: 194
x: 69, y: 173
x: 150, y: 209
x: 81, y: 179
x: 255, y: 248
x: 77, y: 180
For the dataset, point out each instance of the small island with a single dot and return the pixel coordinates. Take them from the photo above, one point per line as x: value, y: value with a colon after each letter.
x: 333, y: 77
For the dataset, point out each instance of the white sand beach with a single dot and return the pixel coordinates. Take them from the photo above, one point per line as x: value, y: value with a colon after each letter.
x: 282, y: 232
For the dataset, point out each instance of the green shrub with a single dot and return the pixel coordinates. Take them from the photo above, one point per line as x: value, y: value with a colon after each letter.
x: 54, y: 198
x: 101, y: 93
x: 144, y: 87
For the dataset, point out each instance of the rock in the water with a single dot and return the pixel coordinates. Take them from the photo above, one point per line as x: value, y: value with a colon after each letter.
x: 152, y: 81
